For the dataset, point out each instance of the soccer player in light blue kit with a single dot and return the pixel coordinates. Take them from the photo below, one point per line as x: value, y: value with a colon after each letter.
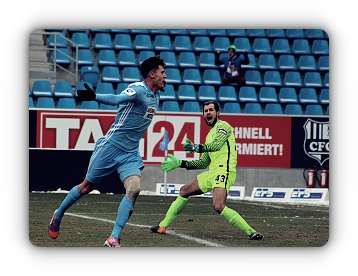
x: 118, y: 149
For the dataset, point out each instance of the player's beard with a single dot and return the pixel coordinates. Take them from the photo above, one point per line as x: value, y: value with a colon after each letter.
x: 213, y: 122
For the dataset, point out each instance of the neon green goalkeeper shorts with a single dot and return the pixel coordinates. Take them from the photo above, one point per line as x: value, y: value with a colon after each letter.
x: 209, y: 180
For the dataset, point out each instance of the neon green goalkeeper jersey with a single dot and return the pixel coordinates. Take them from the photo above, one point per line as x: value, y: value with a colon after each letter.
x: 219, y: 150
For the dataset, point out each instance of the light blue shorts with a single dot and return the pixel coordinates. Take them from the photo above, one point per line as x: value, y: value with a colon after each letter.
x: 106, y: 158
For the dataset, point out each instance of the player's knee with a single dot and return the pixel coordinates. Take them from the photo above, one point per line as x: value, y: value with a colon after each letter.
x: 132, y: 186
x: 218, y: 207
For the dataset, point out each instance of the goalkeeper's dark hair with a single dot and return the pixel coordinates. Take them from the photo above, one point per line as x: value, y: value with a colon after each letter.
x: 150, y: 64
x: 216, y: 105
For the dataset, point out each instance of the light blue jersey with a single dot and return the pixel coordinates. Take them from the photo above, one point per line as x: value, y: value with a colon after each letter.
x: 137, y: 106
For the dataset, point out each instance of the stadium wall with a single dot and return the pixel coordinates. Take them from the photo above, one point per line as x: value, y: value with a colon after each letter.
x: 273, y: 151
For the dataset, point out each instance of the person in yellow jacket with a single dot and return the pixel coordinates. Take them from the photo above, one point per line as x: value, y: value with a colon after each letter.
x: 219, y: 151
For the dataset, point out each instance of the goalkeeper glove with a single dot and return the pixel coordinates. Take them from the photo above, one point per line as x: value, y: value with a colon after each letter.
x: 190, y: 147
x: 86, y: 95
x: 171, y: 164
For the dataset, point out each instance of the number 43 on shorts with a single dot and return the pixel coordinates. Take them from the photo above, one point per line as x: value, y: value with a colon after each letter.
x: 220, y: 178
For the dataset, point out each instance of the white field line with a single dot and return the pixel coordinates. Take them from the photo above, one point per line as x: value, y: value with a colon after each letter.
x: 186, y: 237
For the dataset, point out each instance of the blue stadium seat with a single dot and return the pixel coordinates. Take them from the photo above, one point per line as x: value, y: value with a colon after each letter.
x: 253, y: 77
x: 89, y: 105
x: 131, y: 74
x: 320, y: 47
x: 127, y: 58
x: 121, y: 86
x: 221, y: 43
x: 252, y: 63
x: 191, y: 106
x: 142, y: 42
x: 162, y: 43
x: 267, y: 95
x: 206, y: 93
x: 59, y: 37
x: 242, y: 44
x: 306, y: 63
x: 293, y: 109
x: 266, y: 62
x: 42, y: 88
x: 106, y: 58
x: 102, y: 41
x: 314, y: 109
x: 85, y: 57
x: 143, y: 55
x: 324, y: 96
x: 186, y: 92
x: 254, y: 33
x: 168, y: 94
x: 327, y: 110
x: 118, y: 31
x: 45, y: 102
x: 202, y: 44
x: 103, y: 106
x: 273, y: 108
x: 232, y: 108
x: 63, y: 56
x: 122, y: 42
x: 80, y: 86
x: 236, y: 32
x: 95, y: 31
x: 169, y: 58
x: 261, y: 45
x: 272, y: 78
x: 81, y: 40
x: 307, y: 96
x: 314, y: 34
x: 295, y: 33
x: 253, y: 108
x: 138, y: 31
x: 197, y: 32
x: 292, y: 78
x: 281, y: 46
x: 31, y: 102
x: 187, y: 60
x: 170, y: 106
x: 206, y: 60
x: 110, y: 74
x: 287, y: 95
x: 326, y: 80
x: 323, y: 63
x: 104, y: 88
x: 67, y: 103
x: 182, y: 43
x: 312, y: 79
x: 158, y: 31
x: 300, y: 46
x: 247, y: 94
x: 173, y: 76
x: 286, y: 62
x: 63, y: 89
x: 212, y: 77
x: 177, y: 32
x: 275, y: 33
x: 71, y: 31
x: 227, y: 93
x: 90, y: 74
x: 217, y: 32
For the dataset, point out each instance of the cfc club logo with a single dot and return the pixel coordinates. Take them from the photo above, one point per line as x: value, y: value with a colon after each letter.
x: 316, y: 143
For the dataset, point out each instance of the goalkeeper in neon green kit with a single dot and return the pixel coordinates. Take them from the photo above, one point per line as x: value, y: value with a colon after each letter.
x: 219, y: 151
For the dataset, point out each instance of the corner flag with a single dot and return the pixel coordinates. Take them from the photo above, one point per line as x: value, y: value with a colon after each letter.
x: 164, y: 144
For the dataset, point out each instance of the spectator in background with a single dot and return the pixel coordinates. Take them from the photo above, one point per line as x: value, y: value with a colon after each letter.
x: 232, y: 64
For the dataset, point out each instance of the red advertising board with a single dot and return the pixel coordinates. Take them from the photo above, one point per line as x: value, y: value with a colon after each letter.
x: 262, y: 141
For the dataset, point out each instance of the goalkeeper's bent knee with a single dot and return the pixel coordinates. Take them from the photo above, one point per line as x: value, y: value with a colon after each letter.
x: 132, y: 186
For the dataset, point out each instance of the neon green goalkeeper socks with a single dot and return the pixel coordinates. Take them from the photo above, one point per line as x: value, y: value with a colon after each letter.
x: 235, y: 219
x: 174, y: 210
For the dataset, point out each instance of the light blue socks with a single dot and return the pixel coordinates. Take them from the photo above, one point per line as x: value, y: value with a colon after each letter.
x: 125, y: 210
x: 72, y: 197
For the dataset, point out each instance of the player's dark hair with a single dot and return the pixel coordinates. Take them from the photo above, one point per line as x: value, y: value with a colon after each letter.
x: 216, y: 105
x: 150, y: 64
